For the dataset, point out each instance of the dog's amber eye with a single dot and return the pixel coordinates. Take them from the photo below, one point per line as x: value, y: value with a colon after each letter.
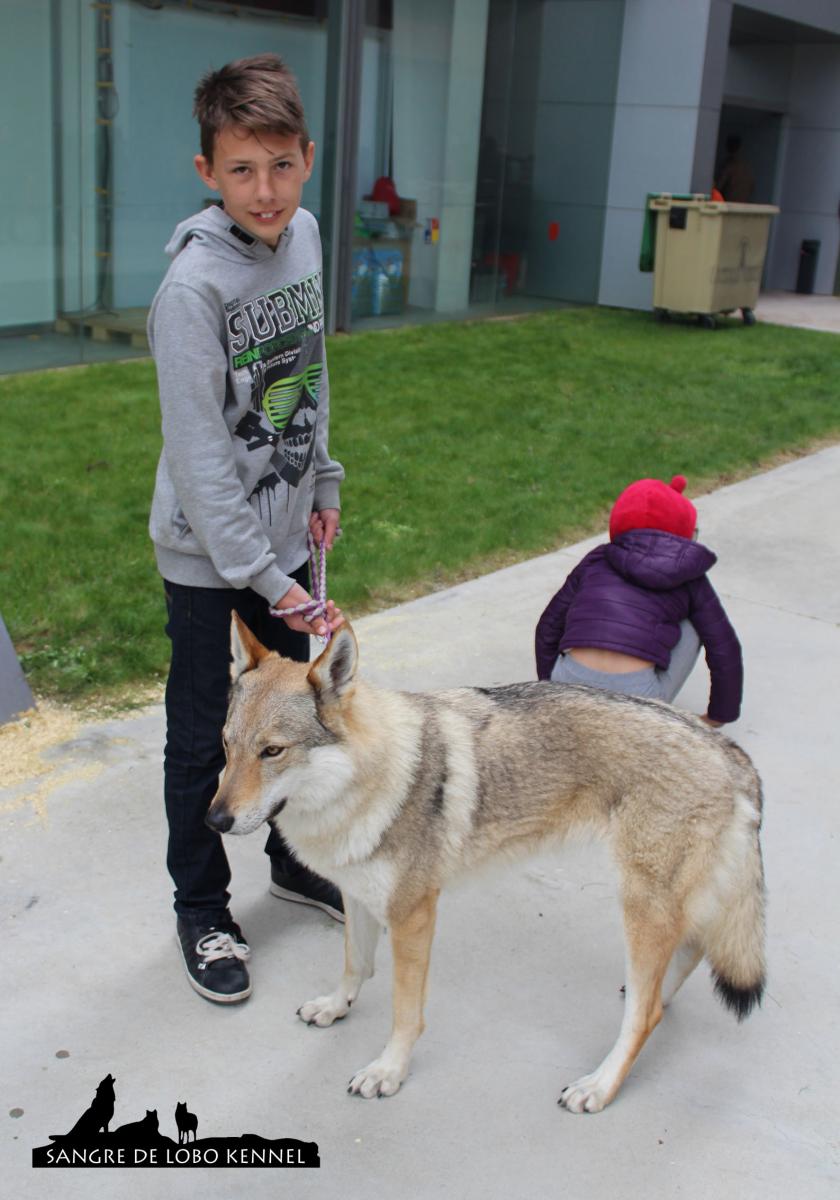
x: 272, y: 751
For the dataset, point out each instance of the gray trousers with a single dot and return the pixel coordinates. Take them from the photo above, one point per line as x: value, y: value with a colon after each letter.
x: 653, y: 682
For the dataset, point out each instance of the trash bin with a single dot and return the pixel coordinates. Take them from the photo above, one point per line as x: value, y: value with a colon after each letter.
x: 809, y: 252
x: 708, y: 256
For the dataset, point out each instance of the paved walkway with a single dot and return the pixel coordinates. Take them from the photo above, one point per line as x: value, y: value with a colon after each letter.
x: 803, y: 312
x: 527, y: 963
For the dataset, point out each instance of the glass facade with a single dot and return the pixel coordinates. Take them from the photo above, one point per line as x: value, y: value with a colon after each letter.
x: 448, y: 104
x: 437, y: 181
x: 494, y: 120
x: 98, y: 156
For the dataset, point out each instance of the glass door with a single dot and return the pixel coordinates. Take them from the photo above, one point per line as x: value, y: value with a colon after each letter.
x: 421, y: 88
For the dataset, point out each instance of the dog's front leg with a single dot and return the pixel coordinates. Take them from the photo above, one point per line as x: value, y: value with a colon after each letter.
x: 361, y: 933
x: 411, y: 941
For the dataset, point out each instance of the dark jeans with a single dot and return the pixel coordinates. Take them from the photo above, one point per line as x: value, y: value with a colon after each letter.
x: 196, y: 706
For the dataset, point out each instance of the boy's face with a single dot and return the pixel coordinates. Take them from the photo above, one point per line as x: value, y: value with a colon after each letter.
x: 260, y: 177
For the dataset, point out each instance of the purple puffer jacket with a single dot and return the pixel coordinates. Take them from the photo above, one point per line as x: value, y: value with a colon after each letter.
x: 630, y: 595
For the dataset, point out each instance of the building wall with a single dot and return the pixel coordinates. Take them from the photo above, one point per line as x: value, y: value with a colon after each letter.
x: 375, y: 107
x: 27, y: 215
x: 603, y: 101
x: 801, y: 83
x: 514, y: 38
x: 810, y: 188
x: 438, y: 72
x: 657, y: 121
x: 420, y: 47
x: 155, y: 134
x: 759, y: 76
x: 575, y: 111
x: 506, y: 159
x: 460, y: 156
x: 822, y: 14
x: 76, y: 159
x: 677, y: 71
x: 711, y: 95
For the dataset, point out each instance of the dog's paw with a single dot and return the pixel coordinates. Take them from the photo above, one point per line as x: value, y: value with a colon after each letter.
x: 584, y: 1095
x: 324, y: 1010
x: 379, y: 1078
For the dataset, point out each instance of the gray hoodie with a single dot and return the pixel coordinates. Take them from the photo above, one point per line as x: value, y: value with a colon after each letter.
x: 237, y: 333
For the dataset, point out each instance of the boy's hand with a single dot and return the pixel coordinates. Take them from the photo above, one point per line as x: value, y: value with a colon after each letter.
x: 297, y: 595
x: 323, y: 526
x: 708, y: 720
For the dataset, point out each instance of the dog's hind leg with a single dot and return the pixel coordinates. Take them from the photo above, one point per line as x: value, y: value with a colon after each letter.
x: 361, y: 934
x: 411, y: 940
x: 684, y: 960
x: 649, y: 946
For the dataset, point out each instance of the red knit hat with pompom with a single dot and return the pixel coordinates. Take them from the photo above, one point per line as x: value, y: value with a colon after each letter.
x: 652, y: 504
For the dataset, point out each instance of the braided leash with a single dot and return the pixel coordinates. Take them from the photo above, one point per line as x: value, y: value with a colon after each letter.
x: 317, y: 605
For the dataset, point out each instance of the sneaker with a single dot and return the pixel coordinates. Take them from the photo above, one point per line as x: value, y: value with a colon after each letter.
x: 215, y: 954
x: 294, y: 881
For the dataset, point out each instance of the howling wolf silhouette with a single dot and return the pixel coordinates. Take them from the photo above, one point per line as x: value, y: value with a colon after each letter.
x: 94, y: 1118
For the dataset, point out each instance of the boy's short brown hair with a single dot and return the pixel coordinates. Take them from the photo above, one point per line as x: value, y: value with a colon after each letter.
x: 256, y: 93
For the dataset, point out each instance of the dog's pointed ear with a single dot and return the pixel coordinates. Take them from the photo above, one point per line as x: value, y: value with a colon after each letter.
x: 246, y: 650
x: 333, y: 672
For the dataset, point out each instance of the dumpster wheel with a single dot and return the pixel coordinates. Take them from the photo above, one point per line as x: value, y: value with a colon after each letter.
x: 748, y: 316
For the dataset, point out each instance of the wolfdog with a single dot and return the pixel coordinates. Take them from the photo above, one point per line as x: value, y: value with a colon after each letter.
x: 391, y: 795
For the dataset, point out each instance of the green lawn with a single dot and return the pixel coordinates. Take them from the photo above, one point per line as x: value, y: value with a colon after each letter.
x: 466, y: 446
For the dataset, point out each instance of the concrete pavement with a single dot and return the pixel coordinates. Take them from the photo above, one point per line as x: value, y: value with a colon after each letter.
x: 802, y: 312
x: 527, y: 963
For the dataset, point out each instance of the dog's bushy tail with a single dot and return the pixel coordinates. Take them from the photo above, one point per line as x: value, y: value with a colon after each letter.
x: 732, y: 933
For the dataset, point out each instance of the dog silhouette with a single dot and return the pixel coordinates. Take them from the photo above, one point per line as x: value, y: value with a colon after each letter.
x: 187, y: 1123
x: 95, y: 1118
x: 139, y: 1129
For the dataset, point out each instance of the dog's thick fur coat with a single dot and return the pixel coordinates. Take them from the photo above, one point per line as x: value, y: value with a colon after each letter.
x: 392, y: 794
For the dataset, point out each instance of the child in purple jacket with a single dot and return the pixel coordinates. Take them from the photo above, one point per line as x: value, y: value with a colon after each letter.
x: 633, y: 613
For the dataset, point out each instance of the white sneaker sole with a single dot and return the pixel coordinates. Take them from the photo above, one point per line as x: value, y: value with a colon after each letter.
x: 216, y: 997
x: 296, y: 898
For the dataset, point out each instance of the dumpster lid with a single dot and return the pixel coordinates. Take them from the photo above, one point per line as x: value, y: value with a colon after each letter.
x: 666, y: 199
x: 663, y: 201
x: 755, y: 210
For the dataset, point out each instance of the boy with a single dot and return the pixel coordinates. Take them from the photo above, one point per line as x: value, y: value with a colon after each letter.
x: 631, y: 616
x: 236, y: 330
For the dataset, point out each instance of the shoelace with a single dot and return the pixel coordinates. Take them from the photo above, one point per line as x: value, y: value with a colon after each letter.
x: 317, y: 606
x: 217, y: 945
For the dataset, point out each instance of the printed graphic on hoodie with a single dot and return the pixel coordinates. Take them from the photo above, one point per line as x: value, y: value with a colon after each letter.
x: 279, y: 339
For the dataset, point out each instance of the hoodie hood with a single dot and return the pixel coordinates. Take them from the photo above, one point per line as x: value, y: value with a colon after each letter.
x: 660, y: 561
x: 213, y: 227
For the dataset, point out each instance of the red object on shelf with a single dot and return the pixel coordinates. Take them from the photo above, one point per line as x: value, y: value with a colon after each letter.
x: 385, y: 190
x: 553, y: 230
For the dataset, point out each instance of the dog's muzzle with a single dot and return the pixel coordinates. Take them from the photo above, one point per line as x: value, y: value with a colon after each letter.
x: 220, y: 821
